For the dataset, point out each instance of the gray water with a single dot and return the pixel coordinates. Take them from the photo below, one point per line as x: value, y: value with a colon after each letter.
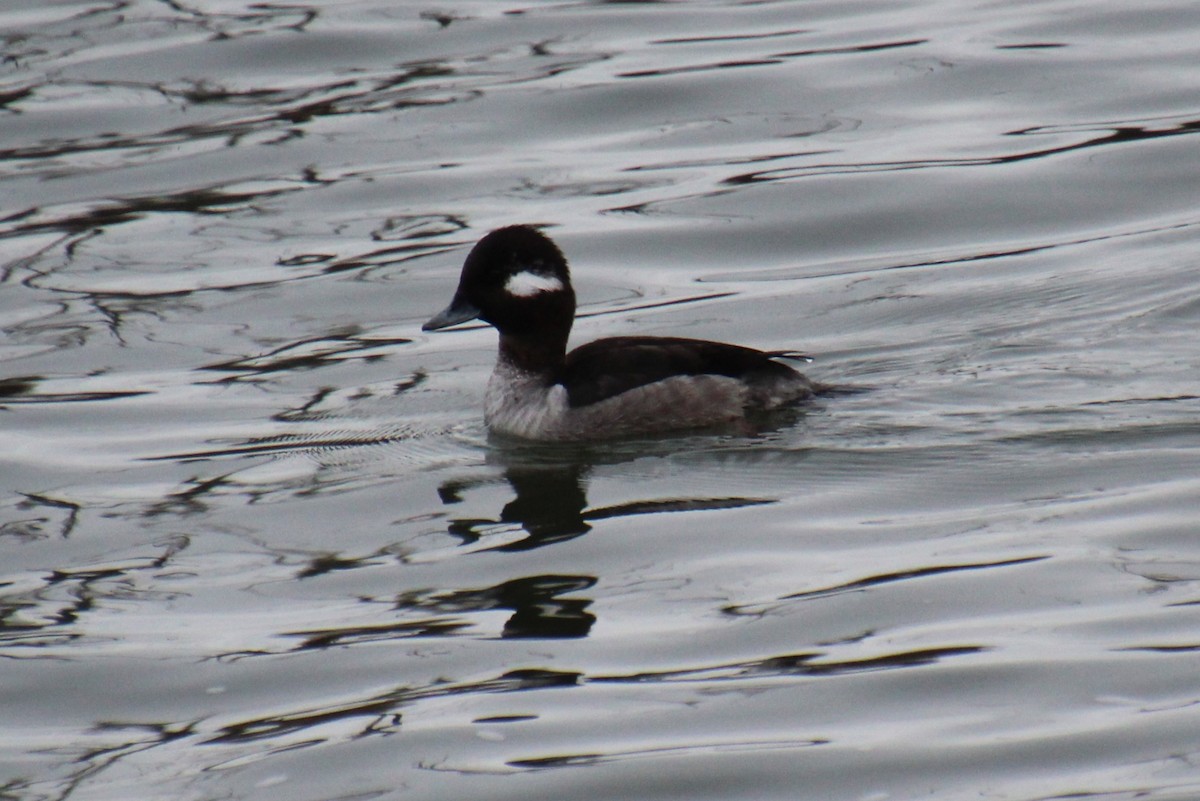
x: 255, y: 542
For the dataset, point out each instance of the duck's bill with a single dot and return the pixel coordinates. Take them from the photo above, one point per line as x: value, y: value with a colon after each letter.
x: 459, y: 311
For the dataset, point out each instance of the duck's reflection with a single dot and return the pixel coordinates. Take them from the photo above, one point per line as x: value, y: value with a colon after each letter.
x: 537, y: 609
x: 549, y: 507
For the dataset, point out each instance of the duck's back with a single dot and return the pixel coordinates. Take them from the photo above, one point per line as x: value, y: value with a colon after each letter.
x: 607, y: 368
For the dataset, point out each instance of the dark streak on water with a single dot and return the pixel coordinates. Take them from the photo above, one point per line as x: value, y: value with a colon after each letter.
x: 255, y: 543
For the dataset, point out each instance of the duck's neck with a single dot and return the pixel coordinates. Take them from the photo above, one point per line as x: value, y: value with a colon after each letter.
x: 532, y: 355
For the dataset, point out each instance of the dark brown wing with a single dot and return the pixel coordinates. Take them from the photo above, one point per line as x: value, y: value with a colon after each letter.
x: 607, y: 367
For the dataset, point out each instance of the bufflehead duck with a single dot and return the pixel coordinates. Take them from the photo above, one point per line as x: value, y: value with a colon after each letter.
x: 517, y: 280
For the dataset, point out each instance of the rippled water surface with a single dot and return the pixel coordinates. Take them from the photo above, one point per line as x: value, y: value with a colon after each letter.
x: 255, y: 542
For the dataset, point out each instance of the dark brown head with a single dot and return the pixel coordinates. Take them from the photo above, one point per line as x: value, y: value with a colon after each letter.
x: 516, y: 279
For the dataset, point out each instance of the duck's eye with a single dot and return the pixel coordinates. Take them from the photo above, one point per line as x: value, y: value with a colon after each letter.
x: 526, y: 284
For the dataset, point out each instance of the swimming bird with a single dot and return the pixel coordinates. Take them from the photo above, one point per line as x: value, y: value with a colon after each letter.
x: 517, y: 279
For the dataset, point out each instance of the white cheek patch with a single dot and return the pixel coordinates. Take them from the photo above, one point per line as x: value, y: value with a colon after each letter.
x: 526, y: 284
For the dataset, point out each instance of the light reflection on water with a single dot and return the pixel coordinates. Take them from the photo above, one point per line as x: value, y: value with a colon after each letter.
x: 257, y: 543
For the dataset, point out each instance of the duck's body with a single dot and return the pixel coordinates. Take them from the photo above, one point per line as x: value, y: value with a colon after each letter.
x: 517, y: 279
